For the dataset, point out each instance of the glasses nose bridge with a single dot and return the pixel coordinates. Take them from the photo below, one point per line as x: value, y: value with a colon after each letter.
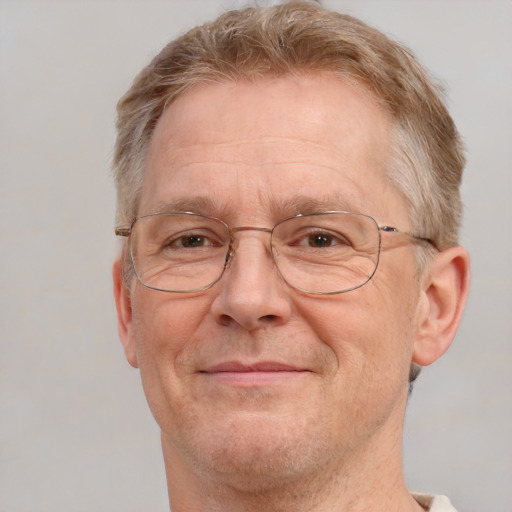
x: 232, y: 231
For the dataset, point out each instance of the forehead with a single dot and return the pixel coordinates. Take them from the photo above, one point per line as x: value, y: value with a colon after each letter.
x: 267, y: 142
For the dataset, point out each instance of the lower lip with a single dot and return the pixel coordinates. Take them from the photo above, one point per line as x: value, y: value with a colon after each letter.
x: 255, y: 378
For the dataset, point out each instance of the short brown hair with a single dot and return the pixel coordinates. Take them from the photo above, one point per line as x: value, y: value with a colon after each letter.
x: 302, y: 37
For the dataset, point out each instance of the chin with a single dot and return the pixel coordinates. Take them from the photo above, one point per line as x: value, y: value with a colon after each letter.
x: 257, y: 454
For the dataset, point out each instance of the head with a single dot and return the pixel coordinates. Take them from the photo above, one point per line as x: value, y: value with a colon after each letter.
x: 250, y: 119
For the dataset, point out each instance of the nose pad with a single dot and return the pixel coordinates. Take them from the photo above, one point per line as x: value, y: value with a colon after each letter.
x: 229, y: 255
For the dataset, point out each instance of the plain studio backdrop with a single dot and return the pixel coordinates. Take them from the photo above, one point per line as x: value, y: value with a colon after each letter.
x: 75, y: 431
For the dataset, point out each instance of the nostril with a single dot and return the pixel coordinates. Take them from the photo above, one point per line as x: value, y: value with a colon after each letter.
x: 224, y: 320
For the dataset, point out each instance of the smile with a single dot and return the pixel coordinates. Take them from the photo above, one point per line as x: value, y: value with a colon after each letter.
x: 258, y: 374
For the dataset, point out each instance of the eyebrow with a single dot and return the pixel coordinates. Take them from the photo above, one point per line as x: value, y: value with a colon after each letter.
x: 305, y: 204
x: 279, y: 209
x: 197, y: 204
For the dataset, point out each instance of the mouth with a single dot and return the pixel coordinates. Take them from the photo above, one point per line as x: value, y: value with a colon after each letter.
x: 250, y: 375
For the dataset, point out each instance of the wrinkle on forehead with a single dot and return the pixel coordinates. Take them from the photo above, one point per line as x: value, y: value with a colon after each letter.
x: 256, y: 149
x: 209, y: 114
x: 253, y: 152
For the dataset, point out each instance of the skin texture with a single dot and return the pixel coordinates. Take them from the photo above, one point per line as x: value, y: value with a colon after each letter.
x: 324, y: 431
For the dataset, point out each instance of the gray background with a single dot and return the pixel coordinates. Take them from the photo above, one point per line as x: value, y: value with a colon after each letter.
x: 75, y: 432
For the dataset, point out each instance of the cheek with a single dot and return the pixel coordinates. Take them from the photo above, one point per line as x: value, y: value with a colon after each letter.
x: 368, y: 331
x: 370, y: 354
x: 164, y: 327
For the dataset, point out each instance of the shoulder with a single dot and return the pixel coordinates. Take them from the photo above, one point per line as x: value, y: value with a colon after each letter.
x: 434, y: 503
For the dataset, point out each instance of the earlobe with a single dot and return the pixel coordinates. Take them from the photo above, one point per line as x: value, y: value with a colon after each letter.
x: 444, y: 293
x: 124, y: 314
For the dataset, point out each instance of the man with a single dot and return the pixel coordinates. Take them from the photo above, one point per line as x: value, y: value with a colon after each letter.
x: 288, y: 186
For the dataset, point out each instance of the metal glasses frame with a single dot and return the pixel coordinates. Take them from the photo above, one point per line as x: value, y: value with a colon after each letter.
x: 126, y: 231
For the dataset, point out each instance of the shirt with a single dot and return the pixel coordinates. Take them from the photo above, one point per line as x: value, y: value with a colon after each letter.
x: 434, y: 503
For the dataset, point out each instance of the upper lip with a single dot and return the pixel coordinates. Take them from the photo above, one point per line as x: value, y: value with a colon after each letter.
x: 263, y: 366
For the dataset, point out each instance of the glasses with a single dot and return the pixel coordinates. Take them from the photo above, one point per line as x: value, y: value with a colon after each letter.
x: 319, y: 253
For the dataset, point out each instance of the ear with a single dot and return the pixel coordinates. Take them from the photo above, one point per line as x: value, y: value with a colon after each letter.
x: 445, y: 288
x: 124, y: 313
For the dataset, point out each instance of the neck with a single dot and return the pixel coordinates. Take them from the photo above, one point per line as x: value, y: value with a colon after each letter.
x: 363, y: 480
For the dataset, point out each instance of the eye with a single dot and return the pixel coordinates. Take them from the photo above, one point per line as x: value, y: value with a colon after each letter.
x: 192, y: 241
x: 320, y: 239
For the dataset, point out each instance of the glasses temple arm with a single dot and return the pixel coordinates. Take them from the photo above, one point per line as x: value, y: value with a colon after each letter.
x: 123, y: 231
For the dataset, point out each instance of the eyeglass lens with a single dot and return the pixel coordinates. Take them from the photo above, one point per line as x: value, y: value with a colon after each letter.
x: 317, y: 253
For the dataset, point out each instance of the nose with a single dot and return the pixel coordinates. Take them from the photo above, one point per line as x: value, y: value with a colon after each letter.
x: 251, y: 292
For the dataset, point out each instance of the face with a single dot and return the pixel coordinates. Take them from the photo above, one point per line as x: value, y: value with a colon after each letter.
x: 252, y: 376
